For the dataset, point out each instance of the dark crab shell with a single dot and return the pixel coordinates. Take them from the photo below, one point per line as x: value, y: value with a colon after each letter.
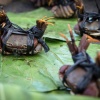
x: 18, y: 44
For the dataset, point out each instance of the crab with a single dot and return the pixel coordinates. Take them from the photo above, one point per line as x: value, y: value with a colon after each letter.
x: 83, y: 77
x: 16, y: 40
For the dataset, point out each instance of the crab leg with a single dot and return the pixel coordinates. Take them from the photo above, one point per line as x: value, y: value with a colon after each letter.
x: 75, y: 49
x: 3, y: 24
x: 92, y: 40
x: 71, y: 44
x: 49, y: 18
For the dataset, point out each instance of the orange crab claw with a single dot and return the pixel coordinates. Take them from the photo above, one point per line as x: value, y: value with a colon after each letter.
x: 3, y: 24
x: 92, y: 40
x: 62, y: 35
x: 50, y: 2
x: 97, y: 59
x: 45, y: 20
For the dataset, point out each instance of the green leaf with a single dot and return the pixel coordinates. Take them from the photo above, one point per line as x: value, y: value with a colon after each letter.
x: 14, y: 92
x: 38, y: 72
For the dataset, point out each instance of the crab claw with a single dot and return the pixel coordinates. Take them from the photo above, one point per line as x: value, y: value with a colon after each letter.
x: 45, y: 21
x: 50, y: 2
x: 91, y: 90
x: 62, y: 35
x: 92, y: 40
x: 98, y: 58
x: 79, y: 5
x: 2, y: 12
x: 62, y: 71
x: 3, y: 24
x: 2, y: 16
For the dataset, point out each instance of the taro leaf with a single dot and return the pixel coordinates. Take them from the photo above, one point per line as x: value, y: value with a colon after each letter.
x: 14, y: 92
x: 38, y: 72
x: 27, y: 20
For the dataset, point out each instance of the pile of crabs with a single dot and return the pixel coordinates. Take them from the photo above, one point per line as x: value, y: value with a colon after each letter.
x: 83, y: 77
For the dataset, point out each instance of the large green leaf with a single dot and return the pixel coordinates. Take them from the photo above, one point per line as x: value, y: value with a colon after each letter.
x: 38, y: 72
